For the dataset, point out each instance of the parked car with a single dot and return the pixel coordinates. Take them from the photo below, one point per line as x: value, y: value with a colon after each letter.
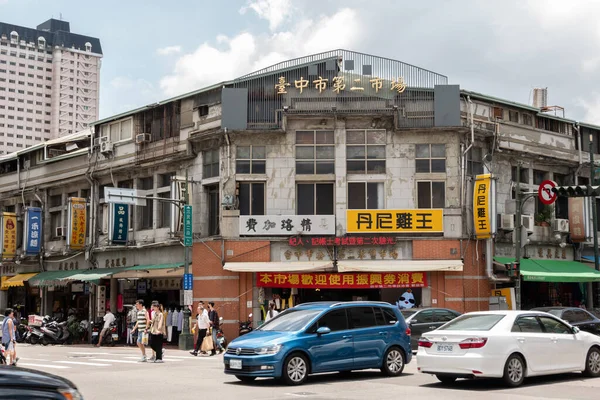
x: 21, y: 383
x: 578, y: 317
x: 322, y: 337
x: 511, y: 345
x: 421, y: 320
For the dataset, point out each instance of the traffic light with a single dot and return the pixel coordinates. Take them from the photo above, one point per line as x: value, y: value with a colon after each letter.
x: 577, y: 191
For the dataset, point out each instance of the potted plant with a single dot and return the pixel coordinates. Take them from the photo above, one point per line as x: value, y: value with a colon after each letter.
x: 544, y: 217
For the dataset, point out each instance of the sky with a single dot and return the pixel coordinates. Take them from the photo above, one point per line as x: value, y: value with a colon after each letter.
x: 154, y: 49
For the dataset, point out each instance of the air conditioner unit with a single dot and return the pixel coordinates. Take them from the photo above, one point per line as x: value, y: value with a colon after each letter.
x: 103, y: 139
x: 527, y: 222
x: 142, y: 138
x: 60, y: 232
x: 560, y: 225
x: 106, y: 147
x: 507, y: 221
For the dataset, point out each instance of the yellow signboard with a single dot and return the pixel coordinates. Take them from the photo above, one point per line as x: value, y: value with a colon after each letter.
x: 481, y: 206
x: 77, y: 223
x: 9, y: 235
x: 422, y: 220
x: 3, y: 285
x: 509, y: 293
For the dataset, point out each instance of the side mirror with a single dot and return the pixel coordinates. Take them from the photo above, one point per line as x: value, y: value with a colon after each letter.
x: 323, y: 330
x: 576, y: 330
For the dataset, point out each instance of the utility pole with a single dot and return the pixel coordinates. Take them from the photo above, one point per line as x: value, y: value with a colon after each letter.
x: 186, y: 340
x: 594, y: 214
x: 517, y: 262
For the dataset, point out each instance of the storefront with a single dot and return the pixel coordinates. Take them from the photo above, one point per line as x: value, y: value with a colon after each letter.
x: 17, y: 293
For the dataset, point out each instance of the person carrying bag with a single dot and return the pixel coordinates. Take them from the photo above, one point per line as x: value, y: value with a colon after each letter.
x: 157, y: 330
x: 207, y: 343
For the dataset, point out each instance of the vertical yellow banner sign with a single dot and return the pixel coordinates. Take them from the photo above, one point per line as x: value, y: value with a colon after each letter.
x: 77, y: 223
x: 9, y: 235
x: 481, y: 206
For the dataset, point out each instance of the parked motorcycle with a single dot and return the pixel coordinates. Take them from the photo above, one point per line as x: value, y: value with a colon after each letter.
x: 111, y: 336
x: 22, y: 330
x: 220, y: 335
x: 55, y: 332
x: 246, y: 326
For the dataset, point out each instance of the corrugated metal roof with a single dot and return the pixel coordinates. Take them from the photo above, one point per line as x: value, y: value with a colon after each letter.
x: 481, y: 96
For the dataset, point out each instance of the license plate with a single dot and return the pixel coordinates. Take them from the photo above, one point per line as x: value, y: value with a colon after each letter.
x: 235, y: 364
x: 445, y: 348
x: 115, y: 336
x: 94, y: 333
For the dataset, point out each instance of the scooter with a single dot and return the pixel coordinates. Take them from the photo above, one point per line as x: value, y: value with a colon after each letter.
x: 220, y: 335
x: 111, y: 337
x: 246, y: 327
x: 55, y: 333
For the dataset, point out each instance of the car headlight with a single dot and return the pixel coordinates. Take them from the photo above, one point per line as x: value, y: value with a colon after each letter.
x: 268, y: 350
x: 71, y: 394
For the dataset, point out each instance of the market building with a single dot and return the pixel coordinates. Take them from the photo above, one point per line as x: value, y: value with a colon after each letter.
x: 337, y: 176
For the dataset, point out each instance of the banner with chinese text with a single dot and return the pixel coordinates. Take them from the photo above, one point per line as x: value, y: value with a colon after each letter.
x: 32, y: 235
x: 287, y: 225
x: 482, y: 188
x: 395, y: 221
x: 120, y: 224
x: 77, y: 220
x: 9, y: 235
x: 577, y: 219
x: 377, y: 280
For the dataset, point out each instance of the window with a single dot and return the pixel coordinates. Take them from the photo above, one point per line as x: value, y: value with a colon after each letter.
x: 527, y: 325
x: 251, y: 198
x: 574, y: 316
x: 165, y: 210
x: 362, y: 317
x: 527, y: 119
x: 524, y: 175
x: 424, y: 317
x: 539, y: 176
x: 314, y: 199
x: 478, y: 322
x: 315, y: 152
x: 498, y: 112
x: 552, y: 325
x: 210, y: 164
x: 146, y: 214
x: 365, y: 195
x: 430, y: 158
x: 444, y: 315
x: 365, y: 151
x: 335, y: 320
x: 55, y: 222
x: 55, y: 201
x: 146, y: 183
x: 250, y: 160
x: 214, y: 209
x: 431, y: 194
x: 475, y: 161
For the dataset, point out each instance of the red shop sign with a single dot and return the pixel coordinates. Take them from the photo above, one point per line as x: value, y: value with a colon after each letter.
x: 377, y: 280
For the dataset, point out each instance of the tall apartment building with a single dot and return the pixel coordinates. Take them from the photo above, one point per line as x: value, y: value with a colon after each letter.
x: 49, y: 83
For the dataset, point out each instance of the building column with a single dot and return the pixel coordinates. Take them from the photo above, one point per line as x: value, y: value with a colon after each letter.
x: 3, y: 300
x: 114, y: 288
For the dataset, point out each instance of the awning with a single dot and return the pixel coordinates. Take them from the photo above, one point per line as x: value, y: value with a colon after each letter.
x: 173, y: 270
x: 18, y: 280
x: 554, y: 270
x: 293, y: 266
x: 399, y: 265
x: 94, y: 274
x: 53, y: 278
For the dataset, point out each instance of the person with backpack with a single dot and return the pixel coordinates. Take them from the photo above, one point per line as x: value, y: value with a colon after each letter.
x: 213, y: 317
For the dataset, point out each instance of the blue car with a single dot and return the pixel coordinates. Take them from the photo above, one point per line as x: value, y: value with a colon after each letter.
x: 322, y: 337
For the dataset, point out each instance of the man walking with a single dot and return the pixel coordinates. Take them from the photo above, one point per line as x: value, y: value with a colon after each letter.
x: 202, y: 326
x: 9, y: 338
x: 141, y: 326
x: 109, y: 318
x: 215, y: 324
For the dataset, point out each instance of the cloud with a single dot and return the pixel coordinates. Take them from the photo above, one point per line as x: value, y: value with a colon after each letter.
x: 274, y: 11
x: 591, y: 107
x: 125, y: 83
x: 165, y: 51
x: 241, y: 54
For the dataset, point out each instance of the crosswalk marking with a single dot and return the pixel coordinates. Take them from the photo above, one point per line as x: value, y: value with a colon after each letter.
x: 84, y: 363
x: 32, y: 359
x: 42, y: 366
x: 137, y: 358
x: 117, y: 361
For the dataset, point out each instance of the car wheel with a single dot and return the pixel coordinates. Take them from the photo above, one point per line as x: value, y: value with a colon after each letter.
x: 295, y: 369
x: 514, y: 371
x: 393, y: 362
x: 446, y: 379
x: 246, y: 379
x: 592, y: 363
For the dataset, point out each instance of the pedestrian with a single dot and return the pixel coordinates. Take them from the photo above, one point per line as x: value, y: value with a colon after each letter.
x: 9, y: 338
x: 272, y: 313
x: 109, y: 318
x: 202, y: 325
x: 157, y: 331
x: 213, y: 317
x: 152, y: 312
x: 141, y: 326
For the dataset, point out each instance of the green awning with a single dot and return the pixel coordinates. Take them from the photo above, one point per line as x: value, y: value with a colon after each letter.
x: 94, y: 274
x: 152, y: 267
x: 554, y: 270
x: 53, y: 278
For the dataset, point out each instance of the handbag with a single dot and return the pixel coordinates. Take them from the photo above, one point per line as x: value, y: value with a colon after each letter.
x: 207, y: 344
x: 145, y: 338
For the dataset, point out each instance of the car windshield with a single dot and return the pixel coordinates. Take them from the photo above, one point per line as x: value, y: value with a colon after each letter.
x: 478, y: 322
x: 408, y: 313
x: 290, y: 320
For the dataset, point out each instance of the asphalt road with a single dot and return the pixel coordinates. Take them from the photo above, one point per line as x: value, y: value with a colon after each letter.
x: 114, y: 373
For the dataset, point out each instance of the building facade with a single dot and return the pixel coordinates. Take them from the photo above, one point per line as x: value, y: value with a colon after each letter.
x: 337, y: 176
x: 49, y: 83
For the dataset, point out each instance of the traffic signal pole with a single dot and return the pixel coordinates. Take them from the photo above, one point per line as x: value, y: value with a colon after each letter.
x: 594, y: 217
x: 517, y: 263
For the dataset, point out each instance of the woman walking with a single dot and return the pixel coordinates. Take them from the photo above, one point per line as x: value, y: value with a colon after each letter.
x: 157, y: 330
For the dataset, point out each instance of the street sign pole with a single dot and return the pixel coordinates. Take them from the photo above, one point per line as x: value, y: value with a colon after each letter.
x: 594, y: 221
x: 186, y: 339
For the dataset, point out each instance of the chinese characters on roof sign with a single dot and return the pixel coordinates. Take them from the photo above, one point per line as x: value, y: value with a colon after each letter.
x: 482, y: 188
x: 377, y: 280
x: 33, y: 231
x: 9, y: 235
x: 77, y: 219
x: 338, y: 84
x: 344, y: 241
x: 395, y: 221
x: 120, y: 223
x: 289, y: 225
x: 576, y: 219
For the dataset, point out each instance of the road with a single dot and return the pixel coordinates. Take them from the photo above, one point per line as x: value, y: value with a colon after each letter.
x: 114, y: 373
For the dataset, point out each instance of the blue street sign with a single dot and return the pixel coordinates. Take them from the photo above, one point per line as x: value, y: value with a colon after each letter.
x: 188, y: 282
x: 120, y: 224
x: 33, y: 230
x: 187, y: 226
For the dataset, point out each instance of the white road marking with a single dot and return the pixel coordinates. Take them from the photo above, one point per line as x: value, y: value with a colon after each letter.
x: 84, y: 363
x: 42, y: 366
x: 117, y: 361
x: 134, y: 358
x: 33, y: 359
x: 90, y: 353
